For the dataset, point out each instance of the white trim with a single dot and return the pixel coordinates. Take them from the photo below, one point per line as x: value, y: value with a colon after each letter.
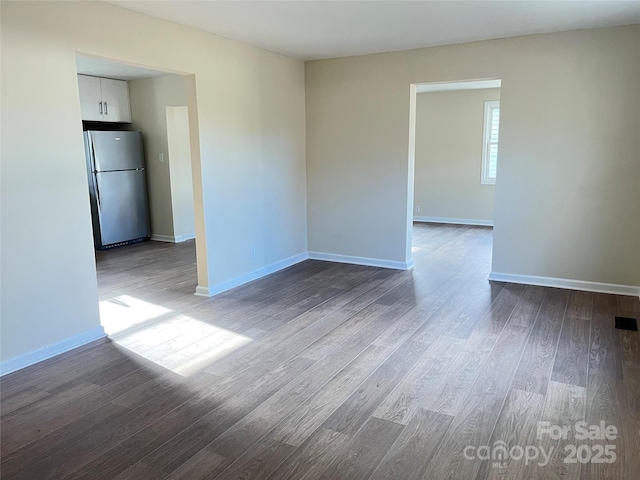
x: 464, y: 85
x: 52, y: 350
x: 163, y: 238
x: 202, y: 291
x: 566, y: 283
x: 370, y: 262
x: 185, y: 237
x: 171, y: 239
x: 455, y: 221
x: 249, y: 277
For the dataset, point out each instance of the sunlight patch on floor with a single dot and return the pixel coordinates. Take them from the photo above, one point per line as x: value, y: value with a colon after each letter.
x: 175, y: 341
x: 123, y: 312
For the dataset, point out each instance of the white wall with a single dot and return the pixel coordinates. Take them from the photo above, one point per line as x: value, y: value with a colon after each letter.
x: 448, y: 164
x: 179, y: 150
x: 566, y: 202
x: 249, y: 187
x: 150, y: 98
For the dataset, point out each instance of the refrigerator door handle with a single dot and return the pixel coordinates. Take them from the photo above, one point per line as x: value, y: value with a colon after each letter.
x: 94, y: 154
x: 97, y: 191
x: 94, y: 167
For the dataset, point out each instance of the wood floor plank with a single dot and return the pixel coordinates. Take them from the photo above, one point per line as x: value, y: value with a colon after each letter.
x: 134, y: 448
x: 73, y: 369
x: 15, y: 382
x: 303, y: 421
x: 409, y: 324
x: 261, y: 289
x: 516, y: 427
x: 564, y: 406
x: 501, y: 309
x: 42, y: 427
x: 361, y: 456
x: 259, y: 462
x: 151, y: 333
x: 629, y: 307
x: 293, y: 337
x: 235, y: 401
x: 629, y: 433
x: 325, y: 344
x: 580, y: 305
x: 279, y: 319
x: 526, y: 311
x: 349, y: 417
x: 15, y: 428
x: 312, y: 458
x: 450, y: 390
x: 605, y: 351
x: 414, y: 390
x: 366, y: 326
x: 21, y: 399
x: 143, y: 392
x: 208, y: 347
x: 605, y: 388
x: 410, y: 455
x: 463, y: 314
x: 70, y: 457
x: 536, y: 364
x: 474, y: 422
x: 14, y: 465
x: 139, y: 472
x: 264, y: 418
x: 572, y: 356
x: 296, y: 304
x: 203, y: 465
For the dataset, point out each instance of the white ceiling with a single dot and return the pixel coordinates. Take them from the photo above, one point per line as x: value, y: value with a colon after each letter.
x: 325, y: 29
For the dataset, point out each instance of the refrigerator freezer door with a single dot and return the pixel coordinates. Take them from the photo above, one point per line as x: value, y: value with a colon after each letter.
x: 93, y: 201
x: 116, y: 150
x: 122, y: 206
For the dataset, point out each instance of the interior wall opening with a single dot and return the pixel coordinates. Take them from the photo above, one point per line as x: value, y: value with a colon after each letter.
x: 453, y: 165
x: 142, y: 160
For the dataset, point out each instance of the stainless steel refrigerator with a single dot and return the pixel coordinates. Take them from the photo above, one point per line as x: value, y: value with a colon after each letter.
x: 117, y: 187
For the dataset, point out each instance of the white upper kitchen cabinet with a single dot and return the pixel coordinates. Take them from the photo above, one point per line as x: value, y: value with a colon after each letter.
x: 90, y: 98
x: 104, y: 99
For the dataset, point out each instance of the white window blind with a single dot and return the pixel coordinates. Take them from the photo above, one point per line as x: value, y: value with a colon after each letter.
x: 490, y: 144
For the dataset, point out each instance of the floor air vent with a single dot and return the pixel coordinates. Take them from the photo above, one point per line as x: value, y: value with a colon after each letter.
x: 625, y: 323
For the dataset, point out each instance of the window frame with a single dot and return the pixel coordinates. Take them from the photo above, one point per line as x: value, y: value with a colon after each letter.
x: 489, y: 106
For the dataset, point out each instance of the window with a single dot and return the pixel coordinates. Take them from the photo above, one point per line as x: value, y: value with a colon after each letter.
x: 490, y: 144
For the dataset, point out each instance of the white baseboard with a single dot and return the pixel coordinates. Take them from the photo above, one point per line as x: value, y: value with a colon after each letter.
x: 566, y: 283
x: 185, y: 237
x: 172, y: 239
x: 371, y: 262
x: 163, y: 238
x: 249, y: 277
x: 455, y: 221
x: 52, y: 350
x: 202, y: 291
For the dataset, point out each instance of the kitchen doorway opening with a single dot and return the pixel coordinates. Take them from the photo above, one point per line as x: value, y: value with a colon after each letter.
x: 140, y: 123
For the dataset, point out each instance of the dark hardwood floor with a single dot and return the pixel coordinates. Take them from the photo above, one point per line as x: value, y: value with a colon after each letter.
x: 331, y: 371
